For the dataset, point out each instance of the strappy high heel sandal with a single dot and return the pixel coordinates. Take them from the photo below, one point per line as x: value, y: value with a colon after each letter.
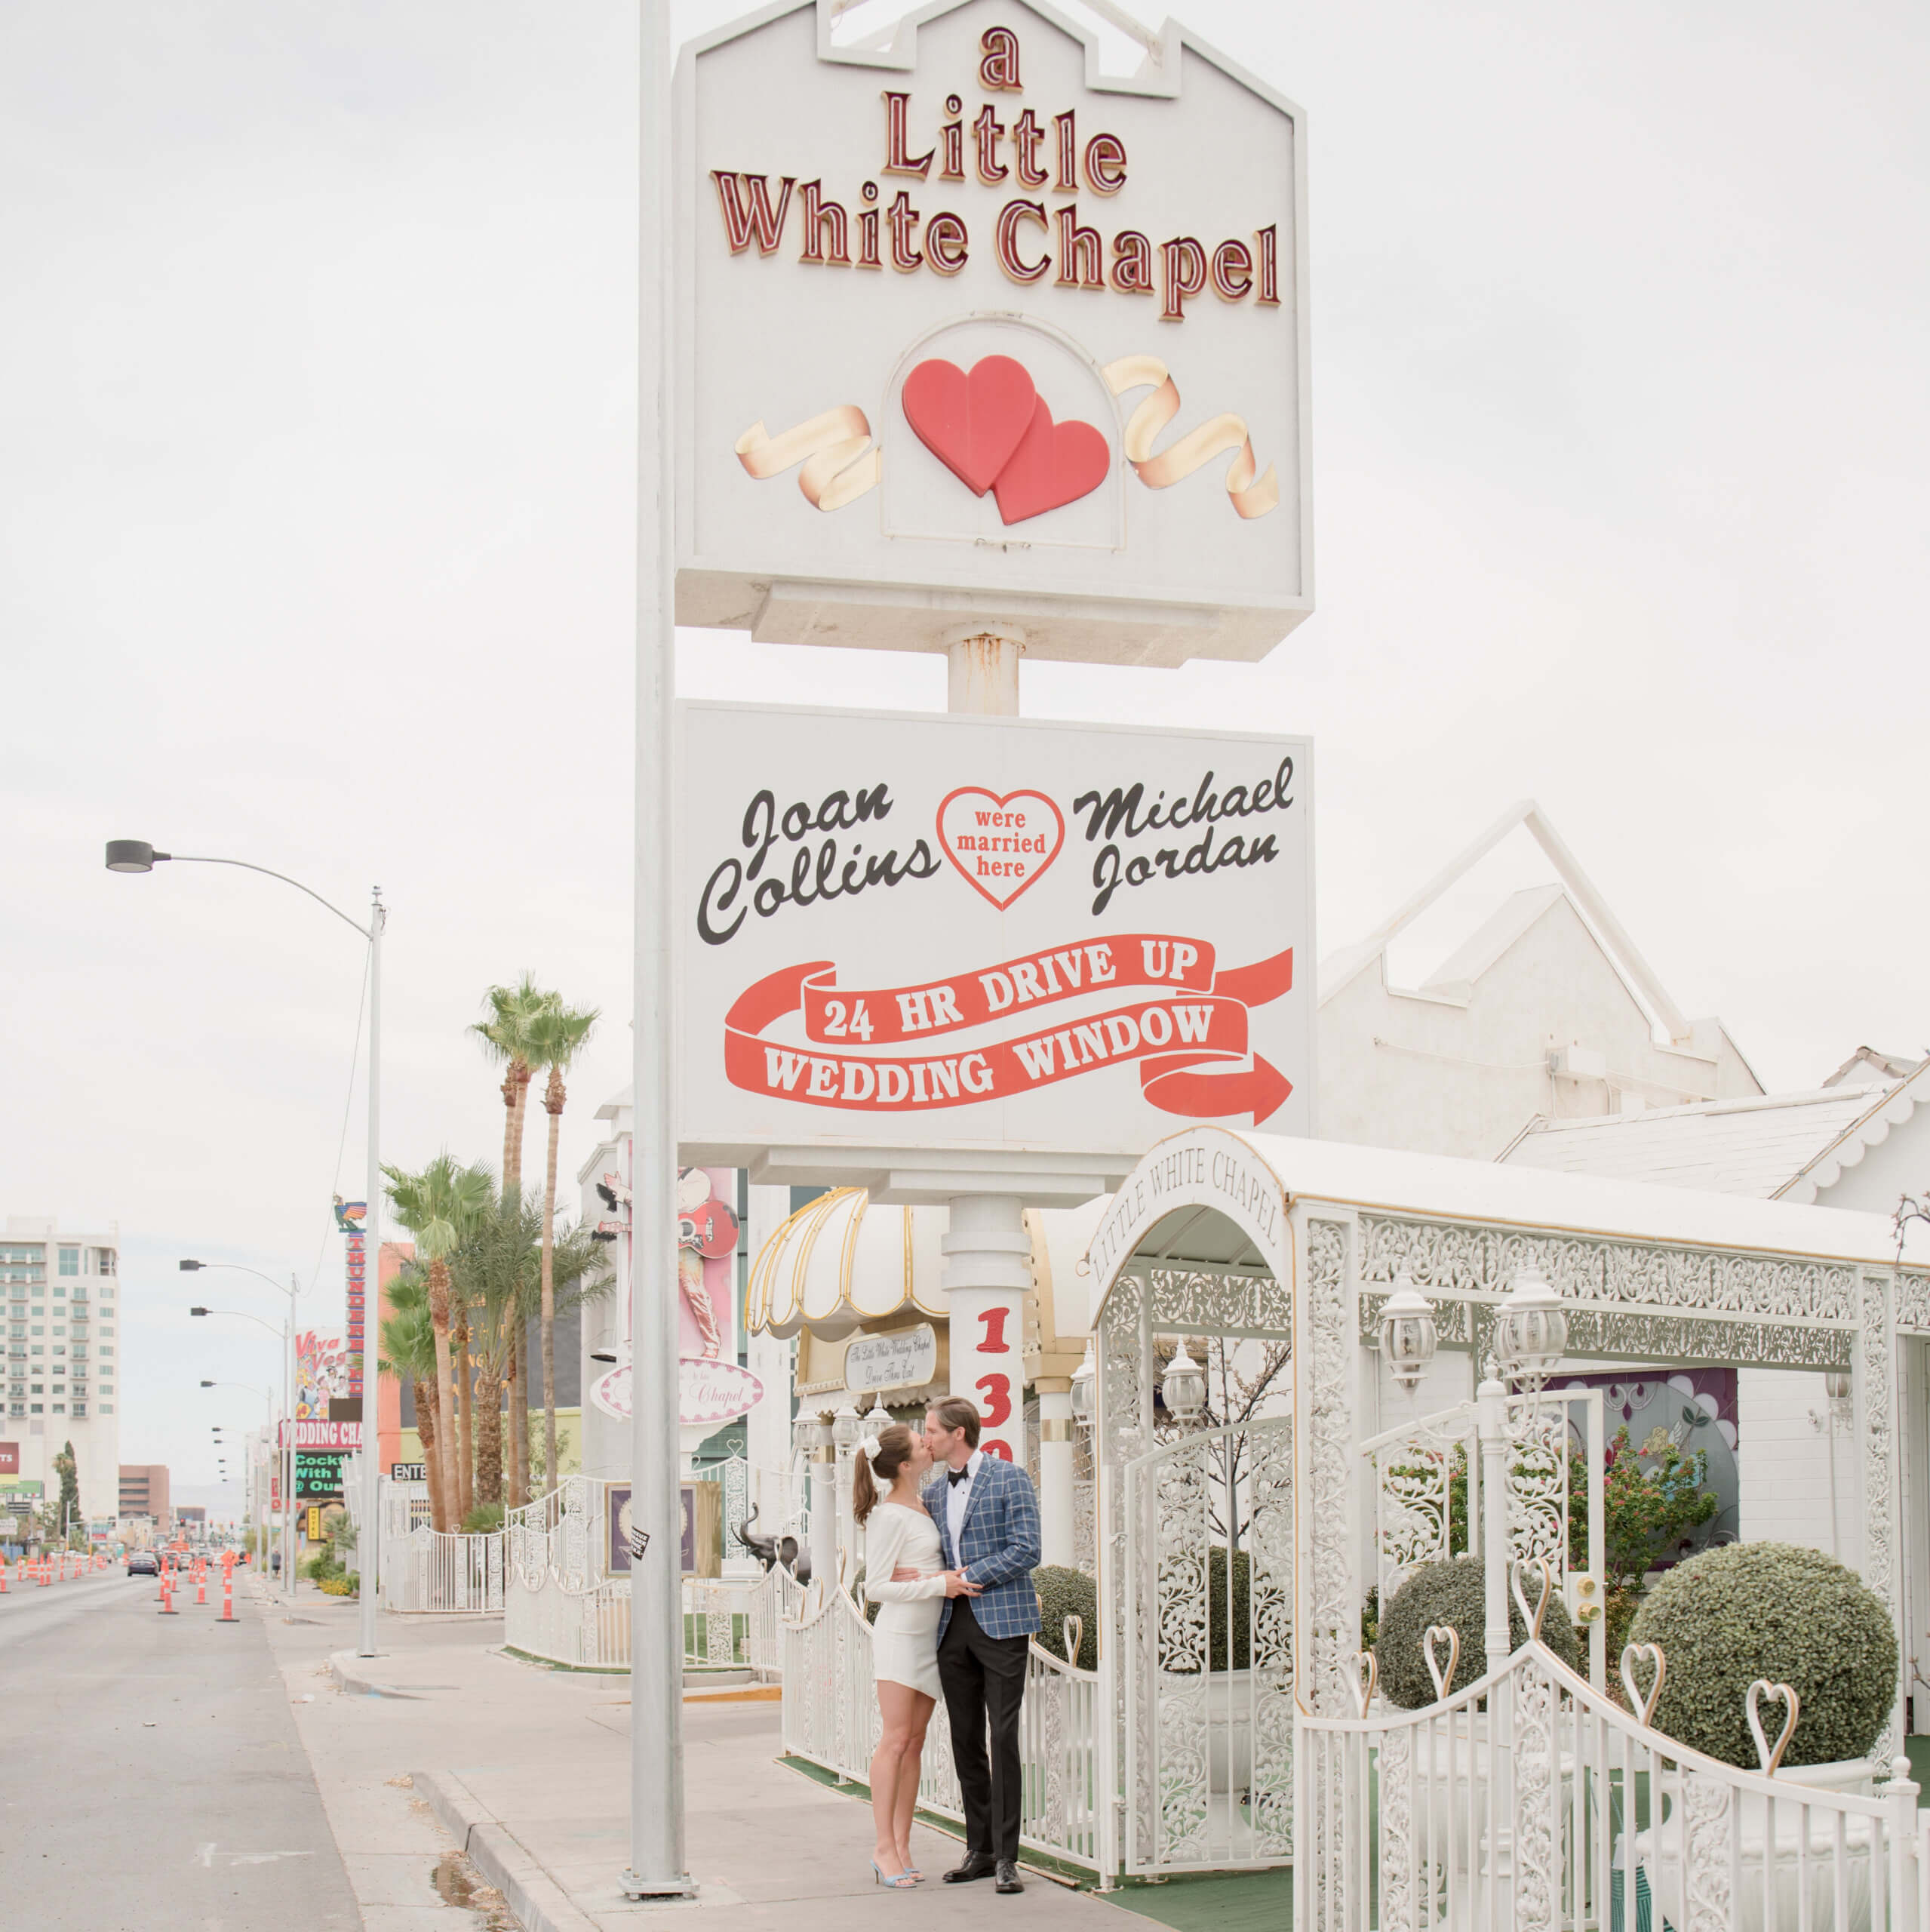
x: 899, y: 1883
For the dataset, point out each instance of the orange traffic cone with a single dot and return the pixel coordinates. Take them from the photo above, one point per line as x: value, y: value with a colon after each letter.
x: 201, y: 1587
x: 228, y: 1600
x: 167, y: 1597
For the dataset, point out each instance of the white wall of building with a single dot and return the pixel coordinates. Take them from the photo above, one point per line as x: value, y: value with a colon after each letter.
x: 1783, y: 1465
x: 606, y: 1440
x: 1461, y: 1065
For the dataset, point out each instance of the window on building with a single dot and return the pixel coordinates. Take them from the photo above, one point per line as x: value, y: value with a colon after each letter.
x: 105, y: 1349
x: 38, y: 1388
x: 80, y: 1408
x: 34, y: 1408
x: 107, y: 1294
x: 107, y: 1408
x: 60, y: 1408
x: 103, y: 1261
x: 59, y: 1290
x: 107, y: 1388
x: 70, y: 1261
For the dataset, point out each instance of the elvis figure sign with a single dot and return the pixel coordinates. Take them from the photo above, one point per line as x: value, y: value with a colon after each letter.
x: 942, y: 931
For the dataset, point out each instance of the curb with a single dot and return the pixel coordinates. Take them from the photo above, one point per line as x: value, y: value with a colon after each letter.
x: 539, y: 1904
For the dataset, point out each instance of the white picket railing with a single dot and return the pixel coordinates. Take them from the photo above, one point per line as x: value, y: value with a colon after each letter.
x: 831, y: 1718
x: 427, y: 1571
x: 1529, y: 1802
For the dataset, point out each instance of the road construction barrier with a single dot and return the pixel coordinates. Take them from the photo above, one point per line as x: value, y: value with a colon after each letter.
x: 167, y: 1596
x: 46, y: 1572
x: 228, y: 1600
x: 201, y: 1587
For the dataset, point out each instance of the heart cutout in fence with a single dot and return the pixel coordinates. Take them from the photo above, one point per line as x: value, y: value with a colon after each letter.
x: 972, y: 423
x: 1768, y: 1756
x: 1366, y: 1679
x: 1000, y: 844
x: 1438, y: 1633
x: 1530, y: 1566
x: 1055, y: 463
x: 1632, y: 1654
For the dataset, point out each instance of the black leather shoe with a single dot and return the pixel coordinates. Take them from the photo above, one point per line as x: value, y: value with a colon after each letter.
x: 975, y: 1866
x: 1009, y: 1879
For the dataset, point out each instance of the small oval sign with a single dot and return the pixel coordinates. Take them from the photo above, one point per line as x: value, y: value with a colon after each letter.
x: 905, y: 1360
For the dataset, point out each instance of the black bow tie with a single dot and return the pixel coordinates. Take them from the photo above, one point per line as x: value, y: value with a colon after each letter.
x: 955, y: 1477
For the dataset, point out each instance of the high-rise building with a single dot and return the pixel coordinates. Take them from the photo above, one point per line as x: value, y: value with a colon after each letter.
x: 61, y: 1296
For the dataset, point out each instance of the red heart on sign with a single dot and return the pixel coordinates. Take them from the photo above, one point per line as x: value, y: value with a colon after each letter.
x: 1001, y: 845
x: 971, y: 423
x: 1055, y: 463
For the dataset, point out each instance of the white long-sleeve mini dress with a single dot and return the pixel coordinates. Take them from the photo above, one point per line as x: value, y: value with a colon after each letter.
x: 905, y: 1638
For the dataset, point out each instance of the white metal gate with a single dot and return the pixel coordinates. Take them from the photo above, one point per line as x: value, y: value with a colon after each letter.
x: 1209, y: 1669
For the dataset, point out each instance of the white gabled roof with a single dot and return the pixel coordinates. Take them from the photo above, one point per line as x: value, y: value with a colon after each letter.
x: 1775, y: 1146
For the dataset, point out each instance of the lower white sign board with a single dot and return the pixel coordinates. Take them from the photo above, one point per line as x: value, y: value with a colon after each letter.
x: 939, y: 931
x: 906, y: 1360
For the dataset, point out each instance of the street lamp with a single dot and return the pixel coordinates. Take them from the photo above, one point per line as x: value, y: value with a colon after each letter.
x: 136, y: 855
x: 288, y: 1450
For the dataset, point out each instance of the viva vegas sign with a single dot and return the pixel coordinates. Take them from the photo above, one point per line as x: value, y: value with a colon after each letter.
x: 970, y: 326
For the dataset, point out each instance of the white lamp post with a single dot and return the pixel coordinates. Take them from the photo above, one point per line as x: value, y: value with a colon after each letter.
x: 1408, y: 1336
x: 136, y: 855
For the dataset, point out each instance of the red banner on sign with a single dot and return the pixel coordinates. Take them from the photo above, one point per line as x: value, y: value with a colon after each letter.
x: 1197, y: 1018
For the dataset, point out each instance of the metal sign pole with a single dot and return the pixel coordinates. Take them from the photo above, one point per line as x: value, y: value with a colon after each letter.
x: 656, y: 1634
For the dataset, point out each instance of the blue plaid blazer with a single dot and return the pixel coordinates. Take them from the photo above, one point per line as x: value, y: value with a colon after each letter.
x: 998, y: 1547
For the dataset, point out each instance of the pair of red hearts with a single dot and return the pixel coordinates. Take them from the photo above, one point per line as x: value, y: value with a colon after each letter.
x: 993, y: 431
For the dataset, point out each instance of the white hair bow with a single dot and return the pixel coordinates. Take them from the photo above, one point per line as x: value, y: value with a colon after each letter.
x: 870, y: 1447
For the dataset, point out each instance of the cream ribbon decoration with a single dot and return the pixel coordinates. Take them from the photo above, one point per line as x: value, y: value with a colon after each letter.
x: 835, y: 448
x: 1212, y: 438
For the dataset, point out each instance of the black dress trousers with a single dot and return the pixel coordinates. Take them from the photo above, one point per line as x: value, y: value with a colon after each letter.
x: 984, y: 1686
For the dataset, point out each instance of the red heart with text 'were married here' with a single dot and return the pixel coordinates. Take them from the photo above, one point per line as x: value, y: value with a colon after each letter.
x: 994, y: 431
x: 1001, y: 845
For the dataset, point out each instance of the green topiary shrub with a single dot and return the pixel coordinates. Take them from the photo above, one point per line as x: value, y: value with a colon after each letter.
x: 1063, y: 1593
x: 1454, y: 1592
x: 1770, y: 1610
x: 1220, y: 1654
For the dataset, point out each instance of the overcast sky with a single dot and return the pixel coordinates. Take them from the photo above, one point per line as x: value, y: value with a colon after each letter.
x: 316, y: 448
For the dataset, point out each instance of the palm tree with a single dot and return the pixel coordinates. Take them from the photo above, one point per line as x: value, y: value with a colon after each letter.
x: 505, y: 1036
x: 498, y: 1270
x: 408, y: 1353
x: 438, y: 1206
x: 556, y: 1035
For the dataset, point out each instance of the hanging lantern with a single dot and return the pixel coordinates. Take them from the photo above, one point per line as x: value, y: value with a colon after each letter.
x: 804, y: 1434
x: 1407, y: 1338
x: 1531, y: 1329
x: 1084, y: 1378
x: 1183, y: 1385
x: 879, y: 1418
x: 847, y: 1429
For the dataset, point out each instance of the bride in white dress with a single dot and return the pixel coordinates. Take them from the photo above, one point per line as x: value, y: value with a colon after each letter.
x: 904, y: 1577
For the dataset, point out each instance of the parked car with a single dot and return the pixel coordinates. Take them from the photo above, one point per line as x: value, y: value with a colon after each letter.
x: 142, y: 1563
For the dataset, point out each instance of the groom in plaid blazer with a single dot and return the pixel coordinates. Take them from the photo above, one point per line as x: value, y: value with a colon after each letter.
x: 987, y: 1519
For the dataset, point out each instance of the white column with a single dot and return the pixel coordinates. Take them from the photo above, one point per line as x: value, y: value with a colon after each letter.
x: 988, y: 1252
x: 1056, y: 1499
x: 987, y: 1269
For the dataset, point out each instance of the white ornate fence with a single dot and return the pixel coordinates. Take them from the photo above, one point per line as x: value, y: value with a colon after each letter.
x: 1529, y: 1801
x: 561, y: 1604
x: 830, y: 1718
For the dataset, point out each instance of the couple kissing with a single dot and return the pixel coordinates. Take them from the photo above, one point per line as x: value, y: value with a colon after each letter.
x: 951, y: 1539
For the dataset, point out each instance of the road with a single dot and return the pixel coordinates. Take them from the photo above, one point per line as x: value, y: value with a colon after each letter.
x: 151, y: 1777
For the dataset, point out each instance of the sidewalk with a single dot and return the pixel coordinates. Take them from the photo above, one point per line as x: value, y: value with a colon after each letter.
x: 529, y: 1771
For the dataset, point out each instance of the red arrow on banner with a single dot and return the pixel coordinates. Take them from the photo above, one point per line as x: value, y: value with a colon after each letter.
x: 1261, y: 1090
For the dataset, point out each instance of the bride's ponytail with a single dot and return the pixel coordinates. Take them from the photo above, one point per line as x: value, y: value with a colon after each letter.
x: 879, y: 1460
